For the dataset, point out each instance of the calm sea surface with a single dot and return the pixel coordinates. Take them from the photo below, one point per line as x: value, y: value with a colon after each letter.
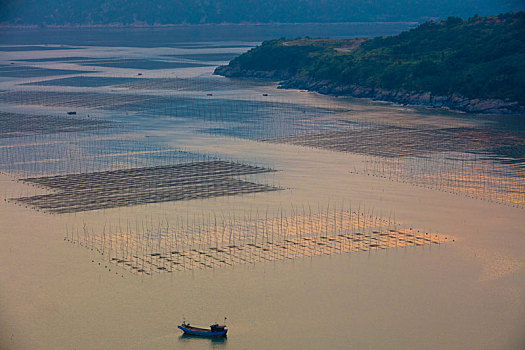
x: 111, y: 101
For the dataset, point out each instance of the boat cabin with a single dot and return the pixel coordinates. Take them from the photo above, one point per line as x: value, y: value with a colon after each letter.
x: 217, y: 328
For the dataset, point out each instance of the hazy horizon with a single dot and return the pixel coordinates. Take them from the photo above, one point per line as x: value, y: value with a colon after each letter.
x: 161, y: 12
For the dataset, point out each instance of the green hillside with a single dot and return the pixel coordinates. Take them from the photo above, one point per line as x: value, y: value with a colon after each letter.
x: 479, y: 58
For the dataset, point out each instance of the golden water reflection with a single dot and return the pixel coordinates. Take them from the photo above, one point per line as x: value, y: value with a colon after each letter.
x: 207, y: 242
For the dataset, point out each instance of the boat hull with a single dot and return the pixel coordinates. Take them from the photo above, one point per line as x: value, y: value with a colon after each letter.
x: 194, y: 332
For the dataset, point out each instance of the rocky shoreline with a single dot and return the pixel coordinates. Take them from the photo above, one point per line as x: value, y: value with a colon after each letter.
x: 417, y: 98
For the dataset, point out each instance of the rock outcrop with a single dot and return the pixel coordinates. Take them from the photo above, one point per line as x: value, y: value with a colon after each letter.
x: 420, y: 98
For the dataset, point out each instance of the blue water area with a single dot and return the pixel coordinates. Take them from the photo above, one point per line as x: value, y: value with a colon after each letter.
x: 509, y: 154
x: 508, y: 123
x: 249, y: 119
x: 204, y: 84
x: 141, y: 64
x: 215, y: 45
x: 246, y: 112
x: 15, y: 71
x: 220, y: 57
x: 17, y: 124
x: 190, y: 84
x: 84, y: 81
x: 186, y: 36
x: 55, y: 59
x: 35, y: 48
x: 71, y: 153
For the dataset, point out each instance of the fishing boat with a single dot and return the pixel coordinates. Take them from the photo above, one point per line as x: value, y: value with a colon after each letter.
x: 215, y: 330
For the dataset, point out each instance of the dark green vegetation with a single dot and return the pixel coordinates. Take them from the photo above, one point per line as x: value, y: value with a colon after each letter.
x: 285, y: 58
x: 88, y: 12
x: 479, y: 58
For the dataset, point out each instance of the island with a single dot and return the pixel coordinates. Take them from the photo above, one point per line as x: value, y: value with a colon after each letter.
x: 474, y: 65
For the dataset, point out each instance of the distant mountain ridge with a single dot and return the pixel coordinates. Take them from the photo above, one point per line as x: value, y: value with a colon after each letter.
x: 162, y: 12
x: 474, y: 65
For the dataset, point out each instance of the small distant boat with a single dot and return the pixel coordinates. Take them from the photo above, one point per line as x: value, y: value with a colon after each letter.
x: 215, y: 330
x: 72, y: 113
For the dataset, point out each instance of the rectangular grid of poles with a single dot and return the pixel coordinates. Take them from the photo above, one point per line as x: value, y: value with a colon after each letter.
x: 473, y: 175
x: 201, y: 242
x: 455, y: 159
x: 136, y: 186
